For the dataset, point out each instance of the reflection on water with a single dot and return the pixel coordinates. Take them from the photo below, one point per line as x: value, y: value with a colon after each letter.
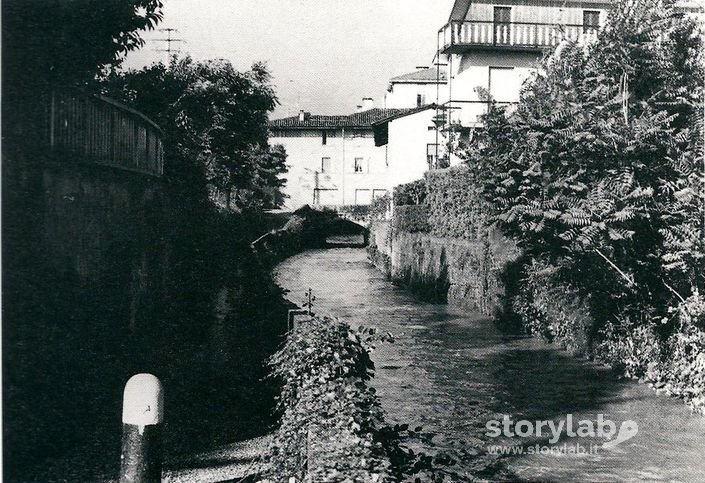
x: 451, y: 371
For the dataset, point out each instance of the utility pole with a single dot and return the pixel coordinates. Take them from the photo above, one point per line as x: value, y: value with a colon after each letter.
x: 168, y: 40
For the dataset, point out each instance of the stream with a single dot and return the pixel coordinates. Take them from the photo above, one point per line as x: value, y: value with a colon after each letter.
x: 453, y: 373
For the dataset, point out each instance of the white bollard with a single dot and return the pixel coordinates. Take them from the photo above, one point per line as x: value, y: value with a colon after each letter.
x: 142, y: 417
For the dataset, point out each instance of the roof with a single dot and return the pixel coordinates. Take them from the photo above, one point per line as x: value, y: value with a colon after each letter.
x: 459, y: 11
x: 407, y: 112
x: 424, y: 75
x: 359, y: 120
x: 381, y: 127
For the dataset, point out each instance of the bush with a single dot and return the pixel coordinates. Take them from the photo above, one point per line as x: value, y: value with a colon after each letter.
x: 380, y: 207
x: 411, y: 219
x: 634, y: 350
x: 683, y: 373
x: 553, y: 309
x: 329, y: 414
x: 455, y: 204
x: 413, y: 193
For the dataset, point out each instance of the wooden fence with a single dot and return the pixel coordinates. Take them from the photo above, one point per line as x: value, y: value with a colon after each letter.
x: 91, y: 128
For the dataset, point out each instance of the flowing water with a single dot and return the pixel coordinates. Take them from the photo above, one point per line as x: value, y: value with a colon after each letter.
x: 451, y: 371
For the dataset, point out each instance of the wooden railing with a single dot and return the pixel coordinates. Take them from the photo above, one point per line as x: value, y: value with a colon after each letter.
x: 71, y: 125
x: 457, y: 35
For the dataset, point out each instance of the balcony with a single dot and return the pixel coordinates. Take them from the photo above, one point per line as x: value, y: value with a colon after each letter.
x: 460, y: 36
x: 464, y: 113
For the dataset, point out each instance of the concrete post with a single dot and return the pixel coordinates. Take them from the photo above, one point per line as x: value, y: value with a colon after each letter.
x: 142, y: 415
x: 291, y: 319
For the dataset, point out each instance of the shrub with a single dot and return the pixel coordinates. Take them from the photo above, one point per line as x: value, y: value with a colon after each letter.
x: 455, y: 204
x: 684, y: 372
x: 380, y: 207
x: 411, y: 219
x: 413, y: 193
x: 329, y: 414
x: 553, y: 309
x: 634, y: 350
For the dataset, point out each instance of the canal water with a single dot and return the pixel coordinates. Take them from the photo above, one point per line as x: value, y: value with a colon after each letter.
x: 452, y: 372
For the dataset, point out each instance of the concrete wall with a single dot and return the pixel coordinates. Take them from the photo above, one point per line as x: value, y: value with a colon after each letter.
x: 457, y: 271
x: 85, y: 262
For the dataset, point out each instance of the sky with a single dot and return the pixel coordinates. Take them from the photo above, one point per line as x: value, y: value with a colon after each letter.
x: 324, y: 55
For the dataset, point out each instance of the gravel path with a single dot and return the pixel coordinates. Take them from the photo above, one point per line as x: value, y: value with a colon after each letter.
x: 227, y: 464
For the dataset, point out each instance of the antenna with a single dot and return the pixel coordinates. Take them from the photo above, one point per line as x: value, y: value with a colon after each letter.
x: 169, y: 39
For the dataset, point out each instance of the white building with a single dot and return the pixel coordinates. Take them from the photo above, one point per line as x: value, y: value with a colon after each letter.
x: 424, y: 86
x: 494, y: 45
x: 412, y: 144
x: 335, y: 161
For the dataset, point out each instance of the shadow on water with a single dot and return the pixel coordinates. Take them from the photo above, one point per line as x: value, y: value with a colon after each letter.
x: 543, y: 383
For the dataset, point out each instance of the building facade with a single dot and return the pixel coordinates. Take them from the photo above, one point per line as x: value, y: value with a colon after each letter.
x: 493, y: 46
x: 337, y: 161
x: 424, y: 86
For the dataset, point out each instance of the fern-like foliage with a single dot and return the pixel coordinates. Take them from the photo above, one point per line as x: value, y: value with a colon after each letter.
x: 605, y: 155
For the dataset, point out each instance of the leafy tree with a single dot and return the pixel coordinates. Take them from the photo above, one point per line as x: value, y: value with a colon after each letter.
x: 599, y: 171
x: 215, y: 124
x: 69, y: 41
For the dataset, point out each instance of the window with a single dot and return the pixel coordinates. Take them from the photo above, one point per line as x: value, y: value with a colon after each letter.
x: 504, y: 84
x: 325, y: 165
x: 420, y: 99
x: 502, y: 21
x: 363, y: 197
x: 359, y: 165
x: 324, y: 137
x: 378, y: 194
x: 325, y: 197
x: 591, y: 21
x: 432, y: 155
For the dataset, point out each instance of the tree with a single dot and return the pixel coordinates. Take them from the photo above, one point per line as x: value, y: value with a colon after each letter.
x: 67, y: 42
x: 215, y: 124
x: 599, y: 171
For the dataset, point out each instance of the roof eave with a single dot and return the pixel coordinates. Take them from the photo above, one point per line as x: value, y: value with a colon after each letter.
x: 403, y: 114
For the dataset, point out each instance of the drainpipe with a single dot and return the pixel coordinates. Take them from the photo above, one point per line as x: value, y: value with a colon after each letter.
x: 438, y: 90
x: 342, y: 184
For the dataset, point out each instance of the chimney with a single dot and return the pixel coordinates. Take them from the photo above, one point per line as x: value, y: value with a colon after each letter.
x: 367, y: 103
x: 302, y: 115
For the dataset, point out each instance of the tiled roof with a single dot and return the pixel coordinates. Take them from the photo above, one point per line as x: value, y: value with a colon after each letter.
x: 423, y: 75
x: 362, y: 119
x: 406, y: 112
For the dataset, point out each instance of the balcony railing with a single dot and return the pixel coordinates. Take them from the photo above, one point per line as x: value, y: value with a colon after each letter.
x: 71, y: 125
x: 468, y: 113
x: 457, y: 36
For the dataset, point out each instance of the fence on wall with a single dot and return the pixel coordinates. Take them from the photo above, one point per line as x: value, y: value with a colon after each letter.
x: 68, y: 124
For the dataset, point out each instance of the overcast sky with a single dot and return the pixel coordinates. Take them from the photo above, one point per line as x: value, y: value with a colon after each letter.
x: 325, y: 55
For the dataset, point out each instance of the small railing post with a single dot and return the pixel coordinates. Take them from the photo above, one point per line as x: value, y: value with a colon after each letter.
x: 142, y: 417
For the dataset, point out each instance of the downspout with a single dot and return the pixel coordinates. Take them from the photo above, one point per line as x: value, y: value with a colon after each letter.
x: 438, y: 89
x: 342, y: 184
